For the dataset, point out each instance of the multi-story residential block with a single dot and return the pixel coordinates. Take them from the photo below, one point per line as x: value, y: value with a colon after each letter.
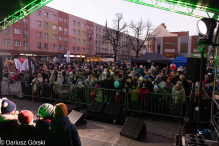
x: 173, y: 44
x: 48, y: 33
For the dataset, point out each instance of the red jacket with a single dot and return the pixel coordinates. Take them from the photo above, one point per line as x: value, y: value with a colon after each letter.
x: 143, y: 93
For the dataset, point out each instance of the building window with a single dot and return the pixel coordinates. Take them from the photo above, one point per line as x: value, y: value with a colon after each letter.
x: 184, y: 48
x: 79, y: 32
x: 54, y: 37
x: 74, y: 23
x: 60, y: 47
x: 46, y: 46
x: 88, y: 42
x: 96, y: 49
x: 103, y: 31
x: 88, y: 49
x: 78, y: 49
x: 66, y: 22
x: 79, y: 24
x: 66, y: 40
x: 17, y: 31
x: 73, y: 31
x: 60, y: 28
x: 25, y: 45
x: 99, y: 29
x: 158, y: 48
x: 54, y: 17
x: 78, y: 41
x: 66, y: 49
x: 25, y: 22
x: 88, y: 26
x: 61, y: 38
x: 39, y: 23
x: 84, y: 25
x: 66, y: 31
x: 46, y: 25
x: 39, y: 34
x: 7, y: 30
x: 73, y: 48
x: 111, y: 50
x: 169, y: 44
x: 7, y: 42
x: 84, y: 33
x: 61, y: 19
x: 39, y: 45
x: 46, y: 35
x: 73, y: 40
x: 96, y: 35
x: 84, y: 49
x: 84, y: 42
x: 54, y: 27
x: 25, y: 34
x: 39, y: 12
x: 99, y: 42
x: 54, y: 47
x: 91, y: 27
x: 46, y: 14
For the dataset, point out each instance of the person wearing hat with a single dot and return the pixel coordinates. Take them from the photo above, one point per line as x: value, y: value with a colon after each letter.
x: 17, y: 90
x: 148, y: 84
x: 26, y: 130
x: 45, y: 115
x: 63, y: 132
x: 143, y: 92
x: 8, y: 119
x: 159, y: 83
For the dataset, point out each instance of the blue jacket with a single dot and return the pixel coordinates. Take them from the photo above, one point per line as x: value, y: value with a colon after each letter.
x: 62, y: 133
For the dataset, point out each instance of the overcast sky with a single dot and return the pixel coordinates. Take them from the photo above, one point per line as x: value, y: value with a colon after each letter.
x: 99, y: 10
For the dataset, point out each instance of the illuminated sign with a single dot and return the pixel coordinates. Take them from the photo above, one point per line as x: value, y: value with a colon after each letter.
x: 77, y: 56
x: 27, y: 54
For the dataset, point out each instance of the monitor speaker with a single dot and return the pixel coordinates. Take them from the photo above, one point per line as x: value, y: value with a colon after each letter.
x: 193, y: 68
x: 133, y: 129
x: 77, y: 118
x: 113, y: 109
x: 96, y: 107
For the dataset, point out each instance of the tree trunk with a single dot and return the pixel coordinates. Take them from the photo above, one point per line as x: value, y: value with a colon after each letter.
x: 136, y: 54
x: 115, y: 57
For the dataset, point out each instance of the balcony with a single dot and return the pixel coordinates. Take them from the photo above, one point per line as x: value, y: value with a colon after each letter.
x: 25, y: 24
x: 25, y: 36
x: 25, y: 47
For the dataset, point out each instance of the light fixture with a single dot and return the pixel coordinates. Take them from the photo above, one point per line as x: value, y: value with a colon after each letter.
x: 206, y: 28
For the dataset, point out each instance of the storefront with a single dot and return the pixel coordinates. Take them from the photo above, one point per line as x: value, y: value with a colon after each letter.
x: 93, y: 59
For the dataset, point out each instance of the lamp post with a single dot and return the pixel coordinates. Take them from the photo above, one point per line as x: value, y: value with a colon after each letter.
x: 90, y: 38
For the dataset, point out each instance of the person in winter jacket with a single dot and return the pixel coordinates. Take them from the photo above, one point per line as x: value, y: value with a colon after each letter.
x: 154, y: 102
x: 169, y: 84
x: 134, y: 96
x: 63, y: 132
x: 148, y: 84
x: 8, y: 119
x: 26, y: 130
x: 45, y: 115
x: 143, y: 92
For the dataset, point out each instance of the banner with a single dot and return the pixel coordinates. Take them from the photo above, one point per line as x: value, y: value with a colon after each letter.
x: 21, y: 64
x: 68, y: 57
x: 32, y: 66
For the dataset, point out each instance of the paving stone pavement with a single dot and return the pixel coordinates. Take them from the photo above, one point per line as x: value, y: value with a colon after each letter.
x: 159, y: 126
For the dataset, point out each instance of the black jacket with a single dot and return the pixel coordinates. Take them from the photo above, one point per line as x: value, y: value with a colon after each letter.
x: 24, y: 133
x: 62, y: 133
x: 42, y: 128
x: 7, y: 128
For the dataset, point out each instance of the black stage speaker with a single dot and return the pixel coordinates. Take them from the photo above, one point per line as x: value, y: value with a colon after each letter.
x: 77, y: 118
x: 96, y: 107
x: 193, y: 68
x: 133, y: 129
x: 113, y: 109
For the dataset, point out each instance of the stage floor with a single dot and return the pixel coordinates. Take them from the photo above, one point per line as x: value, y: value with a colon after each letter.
x: 102, y: 134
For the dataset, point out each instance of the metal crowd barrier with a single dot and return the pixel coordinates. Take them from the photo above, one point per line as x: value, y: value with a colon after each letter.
x: 152, y: 103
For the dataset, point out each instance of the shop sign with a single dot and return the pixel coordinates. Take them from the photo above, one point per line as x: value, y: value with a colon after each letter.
x: 76, y: 56
x: 27, y: 54
x: 198, y: 55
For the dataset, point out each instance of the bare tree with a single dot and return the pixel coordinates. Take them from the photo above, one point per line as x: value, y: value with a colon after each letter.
x: 113, y: 36
x: 142, y: 34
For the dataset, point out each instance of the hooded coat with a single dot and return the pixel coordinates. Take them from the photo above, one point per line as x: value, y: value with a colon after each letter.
x: 42, y: 127
x: 170, y: 85
x: 24, y: 133
x: 62, y: 133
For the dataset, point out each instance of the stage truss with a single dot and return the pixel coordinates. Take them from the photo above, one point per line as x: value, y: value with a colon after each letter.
x: 23, y: 12
x: 194, y: 11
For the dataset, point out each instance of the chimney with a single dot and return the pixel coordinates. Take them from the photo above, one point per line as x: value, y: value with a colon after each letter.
x: 164, y: 25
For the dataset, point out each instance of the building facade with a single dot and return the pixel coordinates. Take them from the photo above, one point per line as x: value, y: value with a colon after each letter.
x: 47, y: 33
x: 173, y: 44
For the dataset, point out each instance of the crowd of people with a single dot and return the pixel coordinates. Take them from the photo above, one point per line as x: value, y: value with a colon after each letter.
x: 132, y: 83
x: 53, y: 127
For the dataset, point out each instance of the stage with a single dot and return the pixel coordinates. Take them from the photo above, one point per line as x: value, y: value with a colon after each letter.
x: 102, y: 134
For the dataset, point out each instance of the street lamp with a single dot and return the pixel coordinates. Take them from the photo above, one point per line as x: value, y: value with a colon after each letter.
x: 90, y: 38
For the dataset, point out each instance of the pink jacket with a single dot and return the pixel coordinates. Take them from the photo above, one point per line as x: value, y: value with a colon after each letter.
x: 15, y: 78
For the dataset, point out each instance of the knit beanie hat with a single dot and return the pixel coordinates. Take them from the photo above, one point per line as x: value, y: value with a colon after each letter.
x: 96, y: 86
x: 119, y: 75
x: 7, y: 106
x: 60, y: 109
x: 46, y: 110
x: 146, y: 77
x: 155, y: 87
x: 25, y: 117
x: 158, y: 77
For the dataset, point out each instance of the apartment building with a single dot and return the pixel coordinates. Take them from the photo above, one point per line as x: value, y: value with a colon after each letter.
x: 173, y: 44
x: 47, y: 33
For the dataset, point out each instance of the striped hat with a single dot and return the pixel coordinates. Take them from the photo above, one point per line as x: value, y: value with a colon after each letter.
x: 46, y: 110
